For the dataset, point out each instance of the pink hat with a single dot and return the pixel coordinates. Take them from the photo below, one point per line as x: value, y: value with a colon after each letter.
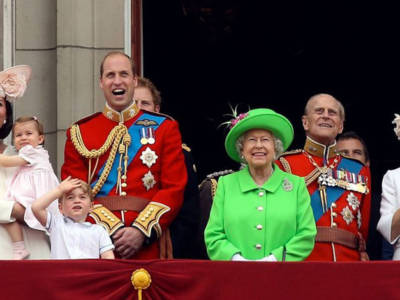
x: 13, y: 81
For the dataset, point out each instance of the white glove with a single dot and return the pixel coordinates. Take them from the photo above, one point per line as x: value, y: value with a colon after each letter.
x: 238, y: 257
x: 270, y: 257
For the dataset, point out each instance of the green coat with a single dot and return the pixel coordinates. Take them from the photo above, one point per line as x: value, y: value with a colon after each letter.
x: 259, y: 221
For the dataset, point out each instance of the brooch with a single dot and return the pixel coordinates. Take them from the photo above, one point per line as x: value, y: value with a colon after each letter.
x: 287, y: 185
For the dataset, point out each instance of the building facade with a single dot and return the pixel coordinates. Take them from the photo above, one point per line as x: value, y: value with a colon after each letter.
x: 64, y: 42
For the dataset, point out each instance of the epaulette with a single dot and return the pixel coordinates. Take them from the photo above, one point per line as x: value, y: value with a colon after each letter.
x: 186, y: 147
x: 158, y: 114
x: 85, y: 119
x: 351, y: 158
x: 219, y: 173
x: 296, y: 151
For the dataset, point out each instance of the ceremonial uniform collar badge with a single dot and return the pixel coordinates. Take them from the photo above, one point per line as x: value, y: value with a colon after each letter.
x: 320, y: 150
x: 122, y: 116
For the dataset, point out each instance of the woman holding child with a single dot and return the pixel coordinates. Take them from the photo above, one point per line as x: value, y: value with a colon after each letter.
x: 13, y: 83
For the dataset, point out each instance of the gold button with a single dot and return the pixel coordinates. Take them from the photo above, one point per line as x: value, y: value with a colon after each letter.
x: 261, y: 194
x: 259, y: 227
x: 334, y: 224
x: 334, y: 214
x: 260, y: 208
x: 123, y: 184
x: 123, y: 193
x: 258, y: 246
x: 333, y: 204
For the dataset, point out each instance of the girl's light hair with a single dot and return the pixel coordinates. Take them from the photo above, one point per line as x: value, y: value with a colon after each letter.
x: 38, y: 125
x: 278, y: 146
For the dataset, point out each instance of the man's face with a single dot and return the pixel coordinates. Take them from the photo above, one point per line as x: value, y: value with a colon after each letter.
x: 322, y: 121
x: 144, y: 99
x: 352, y: 148
x: 118, y: 82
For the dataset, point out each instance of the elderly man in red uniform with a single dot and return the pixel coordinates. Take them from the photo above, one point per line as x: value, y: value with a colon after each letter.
x: 339, y: 186
x: 133, y: 160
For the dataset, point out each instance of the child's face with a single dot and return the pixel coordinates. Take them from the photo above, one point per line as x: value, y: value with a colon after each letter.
x: 76, y: 205
x: 27, y: 134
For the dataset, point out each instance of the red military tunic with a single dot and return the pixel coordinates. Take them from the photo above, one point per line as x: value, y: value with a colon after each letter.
x: 351, y: 210
x: 155, y: 171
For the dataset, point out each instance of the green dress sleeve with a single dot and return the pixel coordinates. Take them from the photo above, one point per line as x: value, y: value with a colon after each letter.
x: 217, y: 244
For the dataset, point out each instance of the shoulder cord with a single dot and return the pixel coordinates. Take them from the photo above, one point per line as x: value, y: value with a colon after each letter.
x: 118, y: 138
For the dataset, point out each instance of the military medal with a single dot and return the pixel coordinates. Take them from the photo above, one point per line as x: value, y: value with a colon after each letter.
x: 148, y: 180
x: 347, y: 215
x: 353, y: 201
x: 151, y: 136
x: 148, y: 157
x: 144, y: 140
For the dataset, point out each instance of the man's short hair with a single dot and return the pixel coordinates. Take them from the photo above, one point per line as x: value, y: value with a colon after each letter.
x: 353, y: 135
x: 112, y: 53
x: 341, y: 108
x: 155, y: 93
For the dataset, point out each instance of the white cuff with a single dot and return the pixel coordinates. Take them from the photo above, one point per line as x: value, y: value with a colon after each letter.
x: 238, y: 257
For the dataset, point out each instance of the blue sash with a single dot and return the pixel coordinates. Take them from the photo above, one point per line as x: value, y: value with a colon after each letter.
x: 333, y: 193
x: 134, y: 147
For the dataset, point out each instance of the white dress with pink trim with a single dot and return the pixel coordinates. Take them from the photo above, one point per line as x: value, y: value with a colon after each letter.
x: 32, y: 181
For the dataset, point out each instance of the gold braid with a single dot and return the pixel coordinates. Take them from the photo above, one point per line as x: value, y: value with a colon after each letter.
x: 114, y: 138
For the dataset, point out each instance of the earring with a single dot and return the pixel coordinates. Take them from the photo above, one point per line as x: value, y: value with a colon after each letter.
x: 5, y: 121
x: 242, y: 157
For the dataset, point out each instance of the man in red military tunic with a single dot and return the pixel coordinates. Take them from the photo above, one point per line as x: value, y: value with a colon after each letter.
x: 133, y: 160
x: 339, y: 186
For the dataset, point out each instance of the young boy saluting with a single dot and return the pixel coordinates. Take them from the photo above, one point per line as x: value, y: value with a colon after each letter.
x: 70, y: 235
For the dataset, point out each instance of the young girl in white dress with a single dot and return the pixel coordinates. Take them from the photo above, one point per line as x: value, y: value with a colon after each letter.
x: 34, y: 178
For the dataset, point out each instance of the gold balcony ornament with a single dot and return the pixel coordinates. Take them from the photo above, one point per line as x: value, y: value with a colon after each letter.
x: 141, y: 280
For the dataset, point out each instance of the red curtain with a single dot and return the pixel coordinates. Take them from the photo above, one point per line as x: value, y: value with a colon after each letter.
x: 196, y: 279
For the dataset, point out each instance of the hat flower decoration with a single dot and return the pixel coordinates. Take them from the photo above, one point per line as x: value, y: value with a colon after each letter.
x: 235, y: 118
x: 13, y: 81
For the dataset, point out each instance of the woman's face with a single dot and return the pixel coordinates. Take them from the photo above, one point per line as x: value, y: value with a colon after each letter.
x: 258, y: 148
x: 3, y: 111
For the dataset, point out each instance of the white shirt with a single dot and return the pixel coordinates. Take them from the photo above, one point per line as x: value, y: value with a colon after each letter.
x: 70, y: 239
x: 390, y: 203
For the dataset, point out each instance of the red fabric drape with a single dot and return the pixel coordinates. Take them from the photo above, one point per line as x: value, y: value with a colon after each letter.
x: 196, y: 279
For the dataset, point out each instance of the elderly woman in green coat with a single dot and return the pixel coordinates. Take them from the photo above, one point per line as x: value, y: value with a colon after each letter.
x: 260, y: 213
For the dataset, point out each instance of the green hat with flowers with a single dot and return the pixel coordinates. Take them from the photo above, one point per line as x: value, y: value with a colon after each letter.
x: 260, y: 118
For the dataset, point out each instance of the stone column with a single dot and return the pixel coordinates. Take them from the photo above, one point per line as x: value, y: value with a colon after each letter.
x: 35, y: 45
x: 86, y: 31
